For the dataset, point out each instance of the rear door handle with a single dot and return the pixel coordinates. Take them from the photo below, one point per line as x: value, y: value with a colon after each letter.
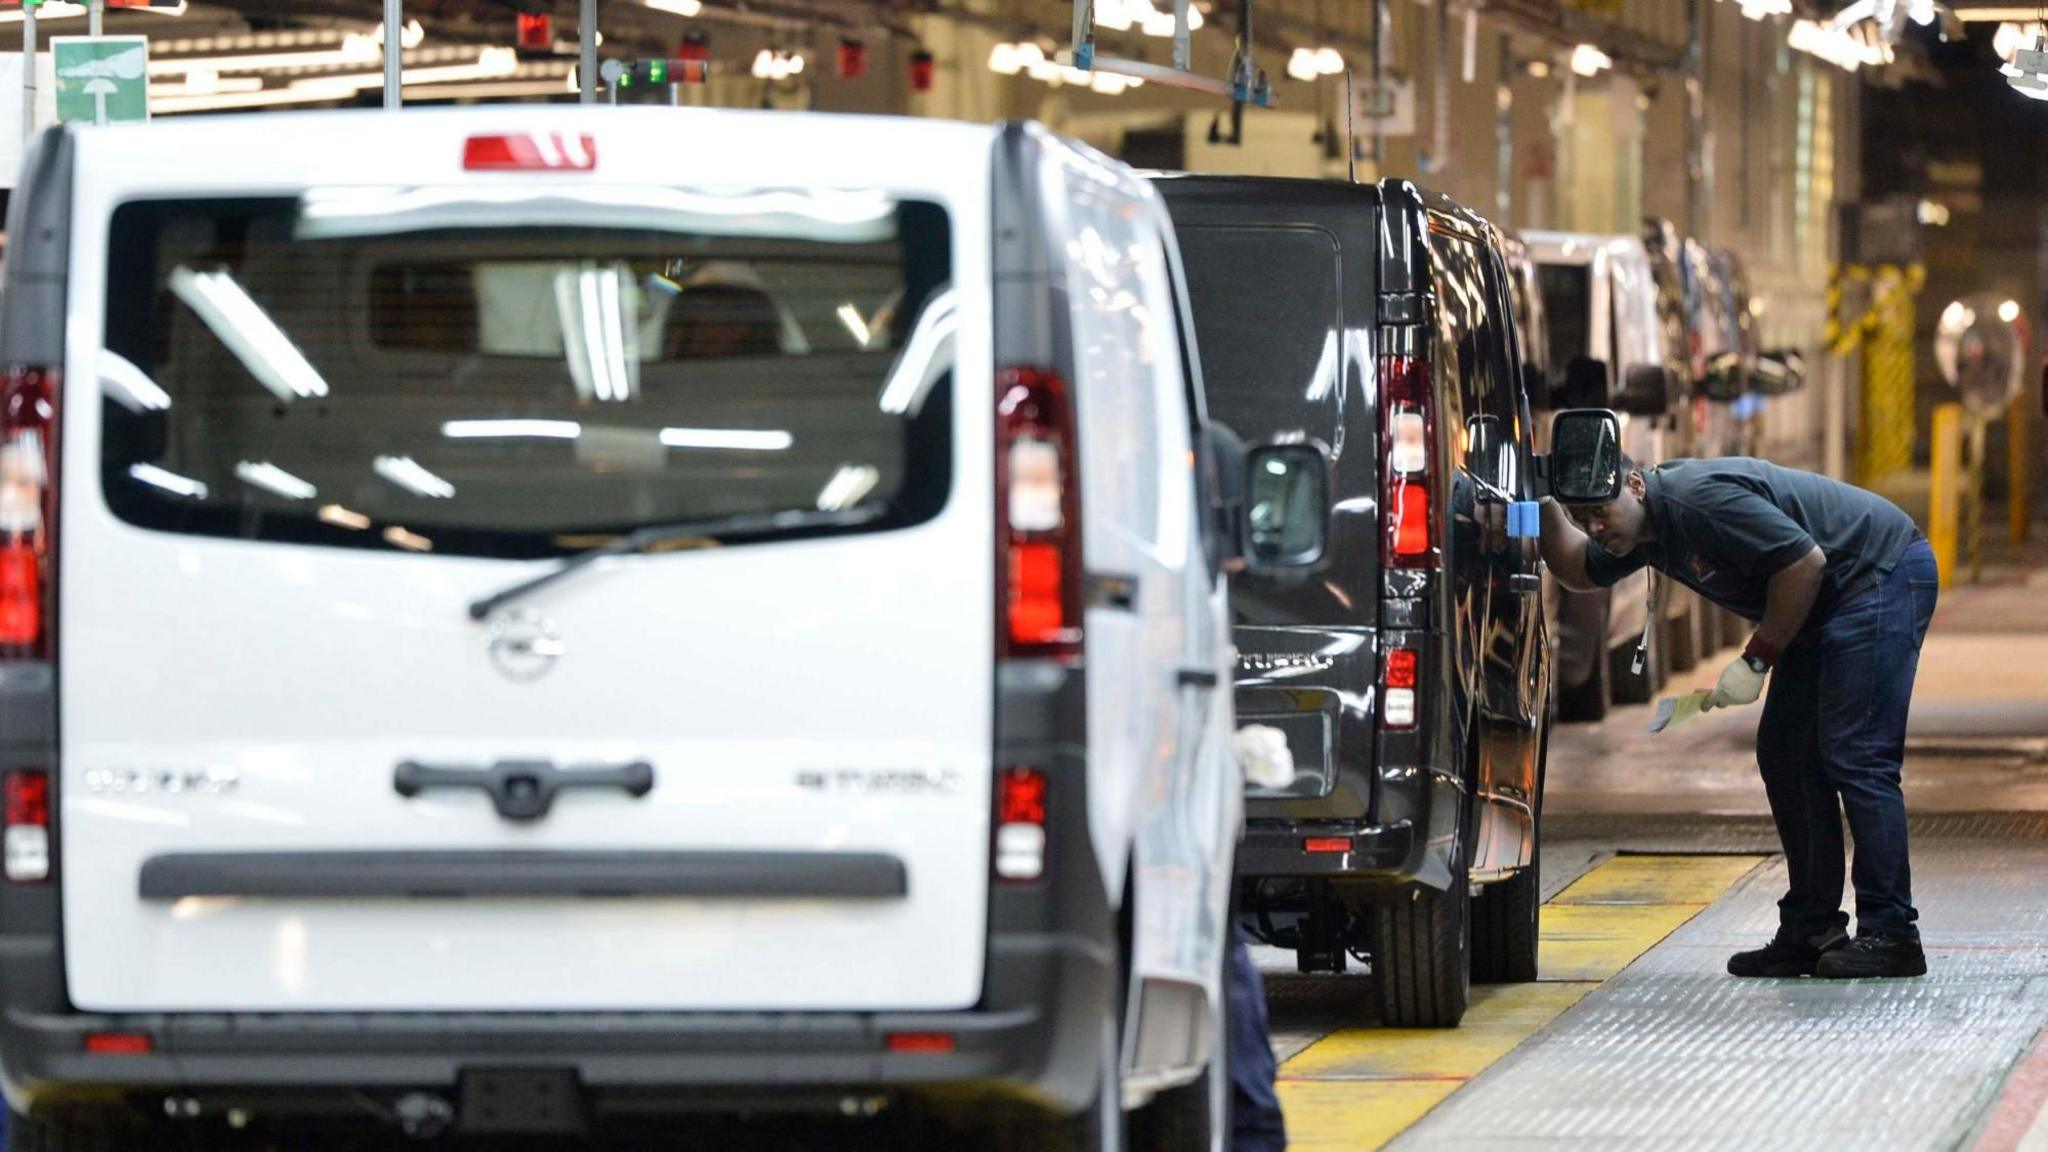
x: 524, y: 790
x: 1112, y: 590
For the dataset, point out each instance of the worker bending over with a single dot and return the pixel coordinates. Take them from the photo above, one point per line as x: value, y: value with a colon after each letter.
x: 1841, y: 586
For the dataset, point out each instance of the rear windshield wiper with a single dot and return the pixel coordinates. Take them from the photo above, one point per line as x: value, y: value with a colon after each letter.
x: 652, y: 538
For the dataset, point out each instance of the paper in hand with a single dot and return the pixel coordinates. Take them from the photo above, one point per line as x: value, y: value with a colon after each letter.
x: 1675, y: 710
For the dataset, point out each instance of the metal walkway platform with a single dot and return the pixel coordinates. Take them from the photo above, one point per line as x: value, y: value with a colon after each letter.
x: 1672, y: 1053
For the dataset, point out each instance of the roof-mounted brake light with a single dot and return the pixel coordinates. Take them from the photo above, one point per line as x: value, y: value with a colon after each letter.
x: 531, y: 152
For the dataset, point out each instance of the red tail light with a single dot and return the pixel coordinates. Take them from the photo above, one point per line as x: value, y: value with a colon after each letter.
x: 28, y: 512
x: 1020, y: 824
x: 27, y: 836
x: 1038, y: 523
x: 1397, y: 688
x: 1408, y: 464
x: 1401, y: 664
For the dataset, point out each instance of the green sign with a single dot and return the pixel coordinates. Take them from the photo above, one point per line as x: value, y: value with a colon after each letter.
x: 102, y: 79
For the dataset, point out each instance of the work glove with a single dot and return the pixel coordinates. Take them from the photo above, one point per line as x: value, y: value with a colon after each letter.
x: 1263, y: 754
x: 1740, y: 684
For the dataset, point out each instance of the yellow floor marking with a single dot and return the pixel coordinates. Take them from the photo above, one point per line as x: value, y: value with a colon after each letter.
x: 1596, y: 941
x: 1324, y: 1115
x: 1500, y: 1017
x: 1359, y: 1088
x: 1657, y: 880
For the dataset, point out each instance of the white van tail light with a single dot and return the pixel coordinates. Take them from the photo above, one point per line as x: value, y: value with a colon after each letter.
x: 28, y: 511
x: 531, y: 152
x: 1020, y: 824
x: 1407, y: 436
x: 1038, y: 516
x: 27, y: 838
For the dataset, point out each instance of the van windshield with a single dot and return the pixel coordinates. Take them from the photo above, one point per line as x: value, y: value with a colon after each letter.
x: 487, y: 383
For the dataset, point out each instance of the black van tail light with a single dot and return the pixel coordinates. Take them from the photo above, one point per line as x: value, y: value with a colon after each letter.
x: 1020, y: 824
x: 1397, y: 683
x: 28, y: 512
x: 27, y: 837
x: 1038, y: 517
x: 1407, y: 453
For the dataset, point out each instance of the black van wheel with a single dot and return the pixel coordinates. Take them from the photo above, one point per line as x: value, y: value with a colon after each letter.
x: 1422, y: 962
x: 1507, y: 916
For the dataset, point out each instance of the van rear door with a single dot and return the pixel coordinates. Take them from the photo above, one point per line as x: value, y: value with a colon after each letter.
x: 744, y: 767
x: 1281, y: 280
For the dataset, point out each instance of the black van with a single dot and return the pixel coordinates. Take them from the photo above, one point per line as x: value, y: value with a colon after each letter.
x: 1411, y: 675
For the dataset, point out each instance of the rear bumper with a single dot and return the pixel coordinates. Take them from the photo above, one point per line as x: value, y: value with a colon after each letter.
x: 1048, y: 985
x: 1040, y: 1046
x: 1383, y: 851
x: 1415, y: 841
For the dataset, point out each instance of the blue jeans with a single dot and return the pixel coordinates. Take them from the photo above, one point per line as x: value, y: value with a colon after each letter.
x: 1255, y: 1123
x: 1833, y: 740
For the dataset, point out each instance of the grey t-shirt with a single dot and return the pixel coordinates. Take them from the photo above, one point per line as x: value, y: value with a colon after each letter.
x: 1726, y: 526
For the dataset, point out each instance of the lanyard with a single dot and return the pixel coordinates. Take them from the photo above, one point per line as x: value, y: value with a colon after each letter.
x: 1649, y: 620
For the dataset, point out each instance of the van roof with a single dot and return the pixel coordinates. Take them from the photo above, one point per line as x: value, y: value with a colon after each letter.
x: 365, y: 146
x: 1579, y: 247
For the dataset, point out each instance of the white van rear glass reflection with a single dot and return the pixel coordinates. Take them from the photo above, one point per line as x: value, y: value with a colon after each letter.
x: 471, y: 384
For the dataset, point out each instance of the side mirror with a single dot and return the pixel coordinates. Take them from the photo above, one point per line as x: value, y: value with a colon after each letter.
x: 1645, y: 391
x: 1585, y: 456
x: 1287, y: 512
x: 1585, y: 384
x: 1779, y: 372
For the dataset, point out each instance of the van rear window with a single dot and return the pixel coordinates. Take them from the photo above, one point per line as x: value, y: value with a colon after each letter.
x: 479, y: 385
x: 1269, y: 318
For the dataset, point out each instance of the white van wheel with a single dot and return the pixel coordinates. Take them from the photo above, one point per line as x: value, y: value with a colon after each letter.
x: 26, y: 1135
x: 1197, y: 1115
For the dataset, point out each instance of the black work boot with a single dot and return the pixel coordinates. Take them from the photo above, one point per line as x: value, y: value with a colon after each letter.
x: 1787, y: 956
x: 1873, y: 956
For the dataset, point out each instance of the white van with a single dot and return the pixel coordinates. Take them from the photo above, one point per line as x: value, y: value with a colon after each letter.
x: 1608, y: 350
x: 511, y: 614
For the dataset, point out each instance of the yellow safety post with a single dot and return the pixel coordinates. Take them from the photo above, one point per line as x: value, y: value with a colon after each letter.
x: 1944, y: 498
x: 2019, y: 469
x: 1885, y: 445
